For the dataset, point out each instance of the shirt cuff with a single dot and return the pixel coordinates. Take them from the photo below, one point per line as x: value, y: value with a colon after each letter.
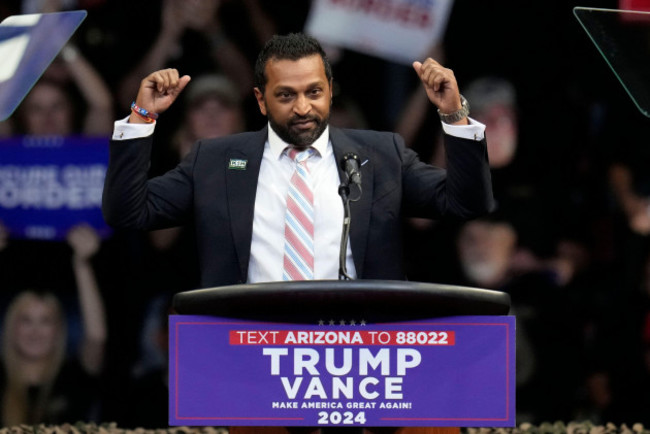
x: 474, y: 131
x: 123, y: 130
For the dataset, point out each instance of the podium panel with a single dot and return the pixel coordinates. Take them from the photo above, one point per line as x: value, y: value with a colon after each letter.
x: 451, y: 371
x: 342, y: 354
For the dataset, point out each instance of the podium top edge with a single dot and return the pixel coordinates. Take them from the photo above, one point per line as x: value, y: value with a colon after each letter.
x: 375, y: 295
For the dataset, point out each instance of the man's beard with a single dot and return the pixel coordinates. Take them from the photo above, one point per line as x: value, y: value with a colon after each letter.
x: 297, y: 138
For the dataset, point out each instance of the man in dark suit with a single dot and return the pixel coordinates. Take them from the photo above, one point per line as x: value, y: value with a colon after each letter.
x: 234, y: 189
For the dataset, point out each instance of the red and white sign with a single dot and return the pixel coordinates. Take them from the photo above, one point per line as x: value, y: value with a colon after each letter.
x: 400, y: 31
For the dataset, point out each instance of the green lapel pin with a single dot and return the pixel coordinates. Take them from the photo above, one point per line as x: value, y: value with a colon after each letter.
x: 237, y: 164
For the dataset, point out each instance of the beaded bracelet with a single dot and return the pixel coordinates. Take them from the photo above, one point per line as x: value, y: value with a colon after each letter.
x: 145, y: 114
x: 146, y: 119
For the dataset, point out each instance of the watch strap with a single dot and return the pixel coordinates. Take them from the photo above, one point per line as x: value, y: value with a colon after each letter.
x: 459, y: 114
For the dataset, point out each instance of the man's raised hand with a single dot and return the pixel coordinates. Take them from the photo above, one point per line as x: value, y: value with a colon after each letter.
x: 158, y: 91
x: 440, y: 84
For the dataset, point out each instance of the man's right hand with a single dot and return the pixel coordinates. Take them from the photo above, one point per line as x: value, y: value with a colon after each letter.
x: 158, y: 91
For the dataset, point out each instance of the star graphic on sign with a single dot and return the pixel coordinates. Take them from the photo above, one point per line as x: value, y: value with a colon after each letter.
x: 342, y: 322
x: 352, y: 322
x: 363, y: 322
x: 332, y: 322
x: 321, y: 322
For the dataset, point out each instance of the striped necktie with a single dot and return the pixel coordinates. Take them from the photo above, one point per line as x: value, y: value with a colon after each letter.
x: 299, y: 221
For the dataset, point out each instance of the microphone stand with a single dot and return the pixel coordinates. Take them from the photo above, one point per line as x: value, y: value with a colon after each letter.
x: 344, y: 192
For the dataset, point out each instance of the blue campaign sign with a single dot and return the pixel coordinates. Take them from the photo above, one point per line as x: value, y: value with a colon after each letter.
x: 453, y: 371
x: 28, y: 44
x: 50, y: 184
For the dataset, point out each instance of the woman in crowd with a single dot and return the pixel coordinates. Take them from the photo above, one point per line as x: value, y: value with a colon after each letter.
x: 71, y: 98
x: 40, y: 384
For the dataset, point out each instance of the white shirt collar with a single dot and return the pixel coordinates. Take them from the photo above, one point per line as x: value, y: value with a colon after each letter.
x: 278, y: 145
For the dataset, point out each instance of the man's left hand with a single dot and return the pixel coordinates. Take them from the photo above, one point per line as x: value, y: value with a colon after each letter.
x: 441, y: 86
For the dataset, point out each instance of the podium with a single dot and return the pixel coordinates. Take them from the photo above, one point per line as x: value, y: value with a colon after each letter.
x: 351, y: 308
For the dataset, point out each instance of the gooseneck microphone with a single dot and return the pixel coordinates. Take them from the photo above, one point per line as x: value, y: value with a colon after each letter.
x: 350, y: 165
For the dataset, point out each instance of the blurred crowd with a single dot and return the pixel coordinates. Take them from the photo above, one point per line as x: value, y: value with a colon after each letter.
x: 84, y: 330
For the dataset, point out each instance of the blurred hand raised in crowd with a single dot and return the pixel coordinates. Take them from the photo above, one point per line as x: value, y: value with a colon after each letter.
x: 199, y: 15
x: 638, y: 214
x: 173, y: 19
x: 84, y: 241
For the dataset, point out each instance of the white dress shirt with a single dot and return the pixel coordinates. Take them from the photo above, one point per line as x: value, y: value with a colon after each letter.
x: 267, y: 245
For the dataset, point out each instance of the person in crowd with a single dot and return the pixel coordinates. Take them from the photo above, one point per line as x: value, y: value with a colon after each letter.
x: 212, y: 109
x: 520, y: 192
x: 49, y: 109
x: 549, y: 330
x: 632, y: 198
x: 629, y: 184
x: 347, y: 114
x: 597, y: 398
x: 493, y: 104
x: 485, y: 251
x: 234, y: 177
x: 150, y: 376
x: 39, y: 382
x: 192, y: 35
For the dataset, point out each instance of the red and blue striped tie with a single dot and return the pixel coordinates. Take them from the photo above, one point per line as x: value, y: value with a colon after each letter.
x: 299, y: 221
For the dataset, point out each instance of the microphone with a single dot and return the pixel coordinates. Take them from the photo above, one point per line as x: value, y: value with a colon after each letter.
x: 350, y: 164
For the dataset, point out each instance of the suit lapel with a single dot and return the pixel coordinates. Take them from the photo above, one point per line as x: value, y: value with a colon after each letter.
x: 241, y: 186
x: 359, y: 210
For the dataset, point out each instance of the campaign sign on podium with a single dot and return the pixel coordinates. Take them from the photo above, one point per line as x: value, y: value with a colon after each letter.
x: 450, y: 371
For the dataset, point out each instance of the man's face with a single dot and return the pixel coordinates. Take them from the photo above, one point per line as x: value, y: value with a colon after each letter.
x: 297, y: 99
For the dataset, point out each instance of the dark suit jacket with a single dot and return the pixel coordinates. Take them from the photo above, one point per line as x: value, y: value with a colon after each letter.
x: 220, y: 200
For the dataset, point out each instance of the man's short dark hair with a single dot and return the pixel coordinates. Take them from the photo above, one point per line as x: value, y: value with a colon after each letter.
x: 293, y: 46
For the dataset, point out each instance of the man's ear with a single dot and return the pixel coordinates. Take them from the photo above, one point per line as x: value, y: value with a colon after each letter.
x: 259, y: 96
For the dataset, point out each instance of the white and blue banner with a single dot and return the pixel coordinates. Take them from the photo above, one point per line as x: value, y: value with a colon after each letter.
x: 452, y: 371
